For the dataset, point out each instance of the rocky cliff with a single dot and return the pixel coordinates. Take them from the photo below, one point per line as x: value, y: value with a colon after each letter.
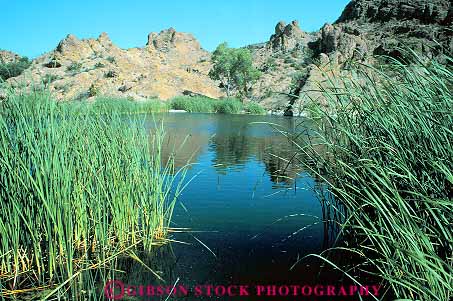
x: 294, y: 61
x: 169, y: 64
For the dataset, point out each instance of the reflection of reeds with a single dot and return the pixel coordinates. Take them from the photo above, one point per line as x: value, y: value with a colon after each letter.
x: 76, y: 190
x: 388, y: 159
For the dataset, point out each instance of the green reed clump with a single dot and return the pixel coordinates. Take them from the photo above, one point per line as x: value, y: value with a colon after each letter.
x: 228, y: 106
x: 122, y: 105
x: 76, y: 190
x: 199, y: 104
x: 196, y: 104
x: 385, y: 150
x: 254, y: 108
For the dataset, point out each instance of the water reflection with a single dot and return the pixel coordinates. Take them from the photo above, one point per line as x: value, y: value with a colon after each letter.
x: 234, y: 141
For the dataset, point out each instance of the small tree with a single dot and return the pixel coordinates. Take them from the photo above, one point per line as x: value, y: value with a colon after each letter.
x: 234, y: 68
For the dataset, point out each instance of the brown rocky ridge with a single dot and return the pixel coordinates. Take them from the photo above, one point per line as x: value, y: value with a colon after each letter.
x: 8, y: 56
x: 293, y: 61
x: 169, y: 64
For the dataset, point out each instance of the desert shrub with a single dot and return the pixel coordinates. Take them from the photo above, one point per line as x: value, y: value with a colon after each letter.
x: 99, y: 65
x: 49, y: 78
x: 75, y: 67
x: 298, y: 79
x: 111, y: 74
x: 289, y: 60
x: 13, y: 69
x: 269, y: 65
x: 93, y: 90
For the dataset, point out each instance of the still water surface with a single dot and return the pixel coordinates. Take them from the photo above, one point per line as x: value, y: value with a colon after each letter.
x: 246, y: 204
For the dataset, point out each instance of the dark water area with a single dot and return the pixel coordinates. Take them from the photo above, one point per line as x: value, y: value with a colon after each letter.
x: 252, y: 214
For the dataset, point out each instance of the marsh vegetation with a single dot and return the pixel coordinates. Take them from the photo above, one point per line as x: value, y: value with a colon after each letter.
x: 77, y: 190
x: 387, y: 160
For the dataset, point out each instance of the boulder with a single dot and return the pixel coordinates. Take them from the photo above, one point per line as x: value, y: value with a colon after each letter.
x: 287, y: 37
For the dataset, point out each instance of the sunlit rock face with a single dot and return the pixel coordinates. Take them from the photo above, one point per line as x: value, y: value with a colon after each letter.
x: 170, y: 63
x: 8, y: 56
x: 294, y: 62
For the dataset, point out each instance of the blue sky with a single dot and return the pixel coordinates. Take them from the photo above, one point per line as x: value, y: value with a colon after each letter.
x: 31, y: 28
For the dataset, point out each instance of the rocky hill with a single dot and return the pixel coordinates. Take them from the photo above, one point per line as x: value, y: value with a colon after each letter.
x: 170, y: 64
x: 8, y: 56
x: 292, y: 61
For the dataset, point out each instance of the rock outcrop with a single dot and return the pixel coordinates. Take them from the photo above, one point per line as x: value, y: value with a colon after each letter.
x: 293, y: 64
x: 170, y: 63
x: 386, y: 25
x: 287, y: 37
x: 424, y: 11
x: 8, y: 56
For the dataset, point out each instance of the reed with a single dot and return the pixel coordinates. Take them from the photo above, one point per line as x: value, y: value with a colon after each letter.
x: 383, y: 147
x: 200, y: 104
x: 105, y: 105
x: 76, y: 190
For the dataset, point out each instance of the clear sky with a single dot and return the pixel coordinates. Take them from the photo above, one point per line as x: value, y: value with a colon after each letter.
x: 33, y: 27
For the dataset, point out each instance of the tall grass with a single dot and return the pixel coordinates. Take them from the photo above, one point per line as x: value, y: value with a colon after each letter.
x: 201, y: 104
x: 76, y: 190
x: 105, y: 105
x: 385, y: 150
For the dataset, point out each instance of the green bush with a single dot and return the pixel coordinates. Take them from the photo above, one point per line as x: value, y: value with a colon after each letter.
x: 49, y: 78
x: 93, y: 90
x: 13, y: 69
x: 269, y: 65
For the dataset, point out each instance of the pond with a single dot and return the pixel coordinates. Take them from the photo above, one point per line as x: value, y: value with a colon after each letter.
x: 251, y: 213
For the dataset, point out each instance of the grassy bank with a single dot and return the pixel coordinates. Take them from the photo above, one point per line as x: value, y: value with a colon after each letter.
x: 209, y: 105
x: 192, y: 104
x: 76, y: 191
x: 104, y: 105
x: 386, y: 156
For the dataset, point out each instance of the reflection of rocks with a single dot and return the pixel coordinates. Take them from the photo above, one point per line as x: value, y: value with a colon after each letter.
x: 183, y: 147
x: 233, y: 151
